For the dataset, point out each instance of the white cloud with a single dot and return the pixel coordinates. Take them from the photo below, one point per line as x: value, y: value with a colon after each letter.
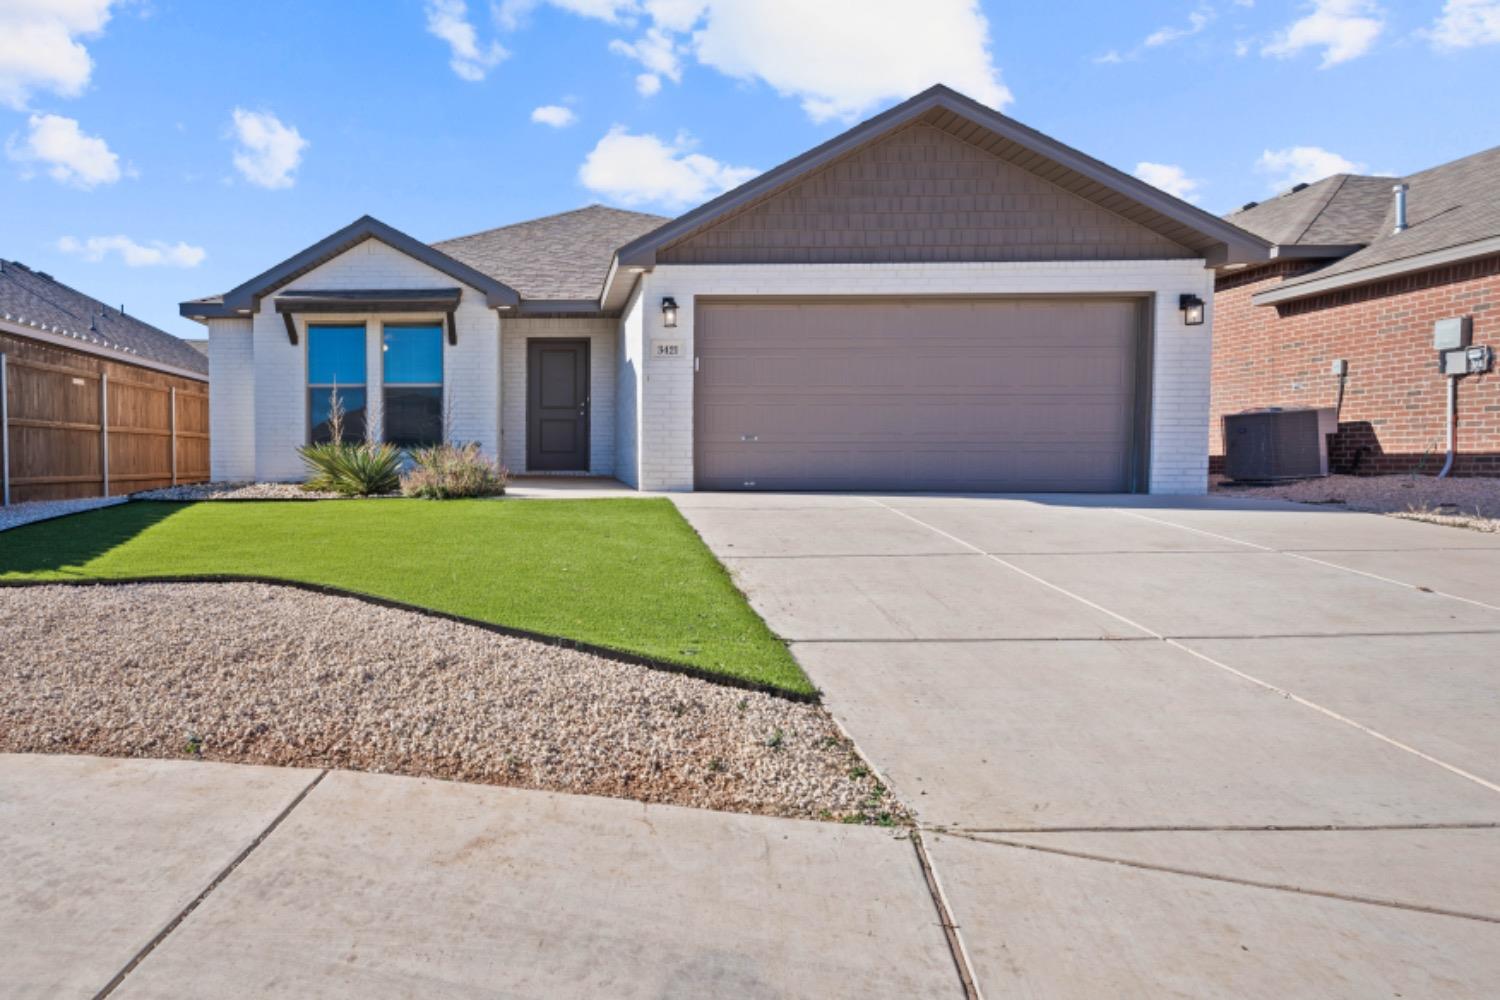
x: 555, y: 115
x: 1302, y: 165
x: 269, y: 151
x: 1170, y: 178
x: 1343, y: 29
x: 648, y: 84
x: 449, y: 20
x: 39, y: 47
x: 1197, y: 21
x: 1466, y: 23
x: 657, y: 52
x: 69, y: 156
x: 840, y: 58
x: 158, y: 254
x: 512, y: 14
x: 642, y: 169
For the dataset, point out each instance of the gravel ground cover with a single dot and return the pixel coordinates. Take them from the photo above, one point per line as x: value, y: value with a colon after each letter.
x: 264, y: 674
x: 628, y: 575
x: 1469, y: 502
x: 18, y: 514
x: 238, y: 491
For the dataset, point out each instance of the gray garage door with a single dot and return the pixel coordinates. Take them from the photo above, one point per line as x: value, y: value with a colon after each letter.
x: 921, y: 394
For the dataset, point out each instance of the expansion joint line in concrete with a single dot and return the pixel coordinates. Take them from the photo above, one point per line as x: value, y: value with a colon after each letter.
x: 239, y: 859
x: 1312, y: 559
x: 1393, y: 904
x: 1177, y: 644
x: 961, y: 962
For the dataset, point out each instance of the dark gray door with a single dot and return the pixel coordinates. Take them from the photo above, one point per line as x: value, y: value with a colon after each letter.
x: 557, y: 405
x: 1002, y: 395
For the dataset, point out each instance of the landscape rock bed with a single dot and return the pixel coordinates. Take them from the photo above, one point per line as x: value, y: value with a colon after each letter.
x: 18, y: 514
x: 262, y: 674
x: 1467, y: 502
x: 237, y: 491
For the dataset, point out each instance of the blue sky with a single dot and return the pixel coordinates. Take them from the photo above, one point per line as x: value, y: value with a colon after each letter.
x: 156, y: 150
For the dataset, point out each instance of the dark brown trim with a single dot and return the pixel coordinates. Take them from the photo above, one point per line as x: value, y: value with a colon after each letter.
x: 452, y: 325
x: 291, y: 327
x: 245, y: 298
x: 375, y: 300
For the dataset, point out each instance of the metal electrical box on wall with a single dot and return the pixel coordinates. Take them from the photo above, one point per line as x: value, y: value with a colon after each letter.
x: 1466, y: 361
x: 1450, y: 334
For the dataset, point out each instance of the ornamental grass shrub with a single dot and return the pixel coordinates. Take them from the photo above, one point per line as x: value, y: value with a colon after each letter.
x: 448, y: 471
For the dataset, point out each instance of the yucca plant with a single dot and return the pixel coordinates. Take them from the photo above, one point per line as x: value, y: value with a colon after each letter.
x: 351, y: 468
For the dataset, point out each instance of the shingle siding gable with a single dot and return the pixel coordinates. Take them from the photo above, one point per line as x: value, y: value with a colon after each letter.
x: 921, y: 194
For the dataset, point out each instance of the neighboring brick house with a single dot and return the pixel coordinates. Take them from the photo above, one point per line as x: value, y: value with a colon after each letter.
x: 1344, y: 283
x: 938, y: 298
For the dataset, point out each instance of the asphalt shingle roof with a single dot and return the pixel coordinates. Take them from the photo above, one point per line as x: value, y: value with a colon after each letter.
x: 1447, y: 206
x: 564, y: 256
x: 28, y: 296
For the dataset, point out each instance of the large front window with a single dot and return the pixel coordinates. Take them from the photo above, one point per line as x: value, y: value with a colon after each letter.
x: 335, y: 382
x: 413, y: 384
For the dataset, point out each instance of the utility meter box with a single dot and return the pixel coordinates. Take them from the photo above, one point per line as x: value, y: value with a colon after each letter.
x: 1451, y: 334
x: 1466, y: 361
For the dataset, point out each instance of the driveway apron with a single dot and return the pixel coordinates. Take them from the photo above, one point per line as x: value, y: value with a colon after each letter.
x: 1163, y: 746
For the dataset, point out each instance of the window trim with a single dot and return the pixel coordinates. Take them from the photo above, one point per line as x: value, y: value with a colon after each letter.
x: 308, y: 385
x: 440, y: 329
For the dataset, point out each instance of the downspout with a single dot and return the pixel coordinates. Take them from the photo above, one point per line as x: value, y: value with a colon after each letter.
x: 1452, y: 419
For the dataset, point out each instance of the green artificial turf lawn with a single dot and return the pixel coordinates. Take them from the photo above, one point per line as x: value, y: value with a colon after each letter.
x: 627, y: 574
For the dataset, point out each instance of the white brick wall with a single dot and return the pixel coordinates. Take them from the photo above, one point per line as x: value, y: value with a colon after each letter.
x: 1182, y: 355
x: 231, y: 403
x: 470, y: 368
x: 601, y: 335
x: 628, y: 385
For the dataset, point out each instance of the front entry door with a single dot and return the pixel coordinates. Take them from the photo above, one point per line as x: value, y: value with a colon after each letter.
x: 557, y: 405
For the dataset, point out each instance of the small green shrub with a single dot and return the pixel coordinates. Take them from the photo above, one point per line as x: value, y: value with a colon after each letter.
x: 360, y: 469
x: 447, y: 471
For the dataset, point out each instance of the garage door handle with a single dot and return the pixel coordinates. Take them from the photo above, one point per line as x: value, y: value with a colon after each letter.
x: 749, y: 437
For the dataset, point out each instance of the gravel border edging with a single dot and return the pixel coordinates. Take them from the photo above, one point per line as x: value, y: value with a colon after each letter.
x: 603, y: 652
x: 78, y: 505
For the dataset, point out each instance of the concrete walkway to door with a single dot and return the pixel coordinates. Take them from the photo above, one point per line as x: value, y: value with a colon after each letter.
x: 1164, y: 747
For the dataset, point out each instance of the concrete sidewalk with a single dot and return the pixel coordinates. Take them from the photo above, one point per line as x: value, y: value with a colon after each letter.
x: 1164, y: 746
x: 179, y: 879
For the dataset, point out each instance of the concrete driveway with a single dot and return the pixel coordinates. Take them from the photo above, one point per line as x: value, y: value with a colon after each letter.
x: 1195, y: 748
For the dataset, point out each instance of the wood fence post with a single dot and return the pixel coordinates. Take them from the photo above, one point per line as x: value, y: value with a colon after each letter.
x: 174, y: 435
x: 4, y: 433
x: 104, y: 430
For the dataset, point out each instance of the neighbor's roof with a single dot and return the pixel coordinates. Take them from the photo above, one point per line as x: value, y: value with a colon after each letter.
x: 563, y: 256
x: 1342, y: 209
x: 35, y: 300
x: 1452, y: 213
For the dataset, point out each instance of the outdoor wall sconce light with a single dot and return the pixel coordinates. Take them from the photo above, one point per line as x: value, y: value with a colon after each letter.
x: 1192, y: 309
x: 669, y: 312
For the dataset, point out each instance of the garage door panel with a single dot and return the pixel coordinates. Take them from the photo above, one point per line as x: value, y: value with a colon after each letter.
x: 910, y: 394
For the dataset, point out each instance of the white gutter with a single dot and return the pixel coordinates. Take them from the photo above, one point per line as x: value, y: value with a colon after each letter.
x: 1378, y: 272
x: 78, y: 342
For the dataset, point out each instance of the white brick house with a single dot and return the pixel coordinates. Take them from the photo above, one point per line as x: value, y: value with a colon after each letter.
x: 939, y: 298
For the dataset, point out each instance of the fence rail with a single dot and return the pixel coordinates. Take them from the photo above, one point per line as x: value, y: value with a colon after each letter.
x: 72, y: 425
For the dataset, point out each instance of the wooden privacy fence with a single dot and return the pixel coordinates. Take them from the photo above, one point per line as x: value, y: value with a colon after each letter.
x: 87, y: 427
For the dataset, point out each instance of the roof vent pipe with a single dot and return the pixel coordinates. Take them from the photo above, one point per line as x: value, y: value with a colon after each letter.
x: 1400, y: 190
